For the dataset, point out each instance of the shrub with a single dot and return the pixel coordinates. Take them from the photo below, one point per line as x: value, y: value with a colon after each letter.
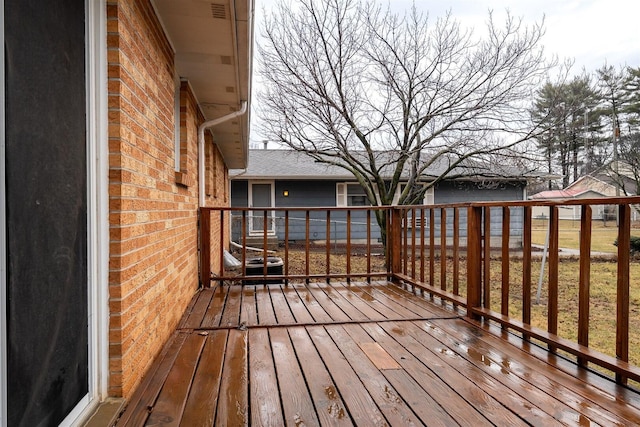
x: 634, y: 244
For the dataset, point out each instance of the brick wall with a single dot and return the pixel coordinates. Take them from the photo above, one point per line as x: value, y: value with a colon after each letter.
x: 153, y: 211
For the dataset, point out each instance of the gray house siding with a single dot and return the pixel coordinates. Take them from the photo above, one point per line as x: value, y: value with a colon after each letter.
x: 462, y: 191
x: 306, y: 193
x: 311, y: 193
x: 317, y: 193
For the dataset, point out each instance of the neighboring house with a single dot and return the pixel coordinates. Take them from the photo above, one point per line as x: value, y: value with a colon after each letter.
x: 101, y: 180
x: 586, y: 187
x: 285, y: 178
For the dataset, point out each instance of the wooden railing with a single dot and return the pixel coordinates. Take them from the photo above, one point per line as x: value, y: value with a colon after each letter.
x: 322, y: 232
x: 453, y: 253
x: 490, y: 230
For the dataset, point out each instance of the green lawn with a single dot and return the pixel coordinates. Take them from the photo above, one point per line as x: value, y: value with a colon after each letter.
x: 602, y: 236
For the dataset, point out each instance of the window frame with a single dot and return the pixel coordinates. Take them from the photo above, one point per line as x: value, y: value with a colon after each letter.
x: 342, y: 194
x: 428, y: 198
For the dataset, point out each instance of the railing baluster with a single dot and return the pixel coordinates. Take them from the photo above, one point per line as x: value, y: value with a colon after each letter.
x: 526, y: 267
x: 328, y: 248
x: 286, y: 247
x: 394, y: 243
x: 432, y: 236
x: 306, y: 244
x: 422, y: 227
x: 243, y: 239
x: 368, y: 245
x: 348, y: 246
x: 552, y: 321
x: 221, y: 242
x: 388, y: 254
x: 456, y: 251
x: 622, y: 300
x: 585, y: 279
x: 486, y: 268
x: 405, y: 244
x: 265, y: 244
x: 506, y: 231
x: 443, y: 249
x: 413, y: 243
x: 474, y: 255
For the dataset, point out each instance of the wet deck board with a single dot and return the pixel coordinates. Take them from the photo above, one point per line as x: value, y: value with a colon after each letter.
x: 296, y: 399
x: 359, y: 354
x: 202, y: 402
x: 233, y: 398
x: 263, y: 381
x: 329, y: 406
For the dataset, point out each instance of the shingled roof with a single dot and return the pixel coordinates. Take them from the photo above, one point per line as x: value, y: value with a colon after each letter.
x: 289, y: 164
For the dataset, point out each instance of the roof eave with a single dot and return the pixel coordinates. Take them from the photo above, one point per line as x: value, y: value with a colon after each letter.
x: 213, y: 45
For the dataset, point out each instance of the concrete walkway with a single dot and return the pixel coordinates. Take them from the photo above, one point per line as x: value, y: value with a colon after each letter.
x: 571, y: 253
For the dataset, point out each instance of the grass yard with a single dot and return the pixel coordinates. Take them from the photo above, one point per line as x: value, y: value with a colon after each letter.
x: 602, y: 310
x: 602, y: 234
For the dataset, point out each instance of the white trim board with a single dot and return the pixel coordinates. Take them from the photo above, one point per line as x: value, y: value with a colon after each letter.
x: 3, y: 239
x: 97, y: 211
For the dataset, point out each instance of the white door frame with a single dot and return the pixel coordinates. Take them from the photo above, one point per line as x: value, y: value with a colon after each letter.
x: 97, y: 211
x: 97, y: 217
x: 3, y: 239
x: 272, y: 213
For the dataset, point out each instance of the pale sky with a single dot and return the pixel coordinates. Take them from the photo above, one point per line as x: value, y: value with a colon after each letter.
x: 591, y: 32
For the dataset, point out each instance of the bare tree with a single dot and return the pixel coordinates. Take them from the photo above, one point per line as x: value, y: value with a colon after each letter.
x: 382, y: 95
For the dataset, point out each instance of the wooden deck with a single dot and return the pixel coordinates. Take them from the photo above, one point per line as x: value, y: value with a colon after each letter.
x: 359, y: 354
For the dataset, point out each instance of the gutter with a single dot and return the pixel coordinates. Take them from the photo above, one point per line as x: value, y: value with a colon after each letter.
x: 206, y: 125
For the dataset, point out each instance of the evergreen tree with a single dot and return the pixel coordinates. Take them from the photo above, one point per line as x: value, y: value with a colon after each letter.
x: 568, y: 111
x: 631, y: 91
x: 611, y: 84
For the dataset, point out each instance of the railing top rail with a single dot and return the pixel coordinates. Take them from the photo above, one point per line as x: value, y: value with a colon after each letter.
x: 297, y: 208
x: 626, y: 200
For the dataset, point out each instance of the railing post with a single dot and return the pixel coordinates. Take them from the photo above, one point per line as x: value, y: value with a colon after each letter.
x: 526, y: 267
x: 486, y: 259
x: 554, y: 228
x: 394, y: 239
x: 506, y: 231
x: 432, y: 244
x: 585, y: 280
x: 474, y: 256
x: 456, y: 251
x: 443, y: 249
x: 205, y: 248
x: 622, y: 300
x: 221, y: 243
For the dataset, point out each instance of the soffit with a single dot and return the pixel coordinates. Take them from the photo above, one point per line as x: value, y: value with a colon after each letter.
x: 213, y: 42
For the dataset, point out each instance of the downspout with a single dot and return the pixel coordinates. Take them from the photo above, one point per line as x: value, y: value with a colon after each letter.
x: 206, y: 125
